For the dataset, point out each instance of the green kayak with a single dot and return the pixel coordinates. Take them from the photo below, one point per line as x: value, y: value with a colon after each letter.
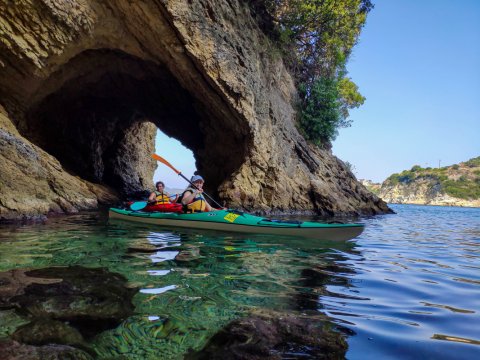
x: 231, y: 220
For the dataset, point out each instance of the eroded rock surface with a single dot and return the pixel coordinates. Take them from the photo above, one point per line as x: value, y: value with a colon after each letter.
x: 13, y: 350
x: 85, y: 83
x: 274, y: 336
x: 65, y: 304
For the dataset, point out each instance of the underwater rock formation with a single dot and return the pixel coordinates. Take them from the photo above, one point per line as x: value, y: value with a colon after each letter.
x: 13, y: 350
x: 274, y: 336
x: 84, y: 84
x: 63, y: 305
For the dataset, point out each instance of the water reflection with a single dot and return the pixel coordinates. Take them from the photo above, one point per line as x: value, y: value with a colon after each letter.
x: 407, y: 277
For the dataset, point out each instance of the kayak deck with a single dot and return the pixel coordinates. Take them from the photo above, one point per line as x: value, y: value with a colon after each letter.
x: 229, y: 220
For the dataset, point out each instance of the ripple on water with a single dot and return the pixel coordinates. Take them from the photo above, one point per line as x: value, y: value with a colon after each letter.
x: 406, y: 288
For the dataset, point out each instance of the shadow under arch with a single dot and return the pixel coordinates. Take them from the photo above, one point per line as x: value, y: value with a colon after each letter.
x: 99, y: 112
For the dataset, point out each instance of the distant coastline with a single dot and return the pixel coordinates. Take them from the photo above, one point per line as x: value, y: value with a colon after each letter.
x: 455, y: 185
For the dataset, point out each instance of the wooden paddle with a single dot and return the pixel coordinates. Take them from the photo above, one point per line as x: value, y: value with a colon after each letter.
x: 165, y: 162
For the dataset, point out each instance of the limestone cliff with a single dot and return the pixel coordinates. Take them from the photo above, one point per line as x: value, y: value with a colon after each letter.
x: 456, y: 185
x: 85, y: 83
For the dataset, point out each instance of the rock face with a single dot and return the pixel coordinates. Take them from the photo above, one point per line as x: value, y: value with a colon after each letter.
x: 85, y: 83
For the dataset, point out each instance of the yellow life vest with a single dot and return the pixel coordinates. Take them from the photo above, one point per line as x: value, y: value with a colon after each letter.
x: 198, y: 203
x: 161, y: 198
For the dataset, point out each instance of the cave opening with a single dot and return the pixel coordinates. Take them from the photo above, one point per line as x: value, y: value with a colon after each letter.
x: 179, y: 156
x: 99, y: 113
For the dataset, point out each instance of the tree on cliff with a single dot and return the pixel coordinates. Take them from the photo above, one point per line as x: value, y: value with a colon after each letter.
x: 317, y: 37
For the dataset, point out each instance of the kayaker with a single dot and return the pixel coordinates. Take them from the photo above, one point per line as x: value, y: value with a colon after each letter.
x: 192, y: 198
x: 159, y: 196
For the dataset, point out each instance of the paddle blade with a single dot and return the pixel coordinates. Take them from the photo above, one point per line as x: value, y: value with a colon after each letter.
x: 163, y: 161
x: 139, y: 205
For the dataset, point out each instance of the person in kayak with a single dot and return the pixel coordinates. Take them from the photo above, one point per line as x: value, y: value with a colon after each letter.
x: 159, y: 196
x: 192, y: 198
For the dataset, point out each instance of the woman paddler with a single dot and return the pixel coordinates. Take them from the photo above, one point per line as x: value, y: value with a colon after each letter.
x: 159, y: 196
x: 192, y: 197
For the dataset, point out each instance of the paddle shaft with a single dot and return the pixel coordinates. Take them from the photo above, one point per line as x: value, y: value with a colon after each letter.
x: 162, y: 160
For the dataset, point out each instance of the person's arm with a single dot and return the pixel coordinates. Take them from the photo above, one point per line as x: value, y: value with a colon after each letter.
x: 171, y: 198
x: 208, y: 207
x: 152, y: 197
x: 187, y: 199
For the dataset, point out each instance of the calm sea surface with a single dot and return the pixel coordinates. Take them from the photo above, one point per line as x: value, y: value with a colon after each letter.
x: 407, y: 288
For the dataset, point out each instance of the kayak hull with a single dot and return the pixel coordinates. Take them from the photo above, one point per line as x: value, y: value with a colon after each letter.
x: 228, y: 221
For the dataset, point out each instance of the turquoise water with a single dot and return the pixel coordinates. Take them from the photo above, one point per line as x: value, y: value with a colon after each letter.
x: 408, y: 287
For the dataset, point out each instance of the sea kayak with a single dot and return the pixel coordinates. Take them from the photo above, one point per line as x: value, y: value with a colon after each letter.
x: 231, y: 220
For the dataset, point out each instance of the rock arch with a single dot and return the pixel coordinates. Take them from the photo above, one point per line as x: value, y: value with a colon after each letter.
x: 99, y: 122
x: 82, y: 81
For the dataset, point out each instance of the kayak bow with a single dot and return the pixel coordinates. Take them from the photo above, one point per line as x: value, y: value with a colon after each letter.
x: 231, y: 220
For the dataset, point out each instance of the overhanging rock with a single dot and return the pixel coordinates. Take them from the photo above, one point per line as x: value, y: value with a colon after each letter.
x: 84, y: 85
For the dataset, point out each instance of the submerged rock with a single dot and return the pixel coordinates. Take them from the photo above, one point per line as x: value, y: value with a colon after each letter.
x: 13, y: 350
x: 14, y: 282
x: 276, y: 336
x: 47, y: 331
x: 65, y: 304
x: 189, y: 253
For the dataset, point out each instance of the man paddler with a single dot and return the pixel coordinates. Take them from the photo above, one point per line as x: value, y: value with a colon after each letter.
x: 160, y: 196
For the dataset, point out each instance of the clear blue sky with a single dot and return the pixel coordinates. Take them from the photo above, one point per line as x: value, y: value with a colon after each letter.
x: 177, y: 155
x: 418, y: 65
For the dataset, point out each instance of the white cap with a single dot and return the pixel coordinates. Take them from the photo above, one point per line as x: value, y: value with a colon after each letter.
x: 196, y: 178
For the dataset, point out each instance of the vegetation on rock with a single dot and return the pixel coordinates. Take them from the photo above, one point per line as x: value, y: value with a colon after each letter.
x: 460, y: 180
x: 316, y: 37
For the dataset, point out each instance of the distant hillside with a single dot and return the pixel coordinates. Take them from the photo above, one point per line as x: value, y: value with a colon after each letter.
x: 456, y: 185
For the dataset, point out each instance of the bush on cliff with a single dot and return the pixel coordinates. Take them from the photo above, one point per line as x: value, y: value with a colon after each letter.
x: 317, y: 37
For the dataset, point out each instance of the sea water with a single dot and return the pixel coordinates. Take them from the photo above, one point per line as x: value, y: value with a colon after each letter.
x: 407, y: 288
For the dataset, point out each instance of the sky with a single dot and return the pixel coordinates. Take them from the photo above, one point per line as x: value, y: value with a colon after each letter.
x: 178, y: 156
x: 418, y: 65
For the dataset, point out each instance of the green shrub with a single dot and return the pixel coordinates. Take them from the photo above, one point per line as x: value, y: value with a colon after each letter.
x: 316, y: 38
x: 393, y: 179
x: 320, y: 111
x: 475, y: 162
x: 404, y: 177
x: 462, y: 188
x: 407, y: 178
